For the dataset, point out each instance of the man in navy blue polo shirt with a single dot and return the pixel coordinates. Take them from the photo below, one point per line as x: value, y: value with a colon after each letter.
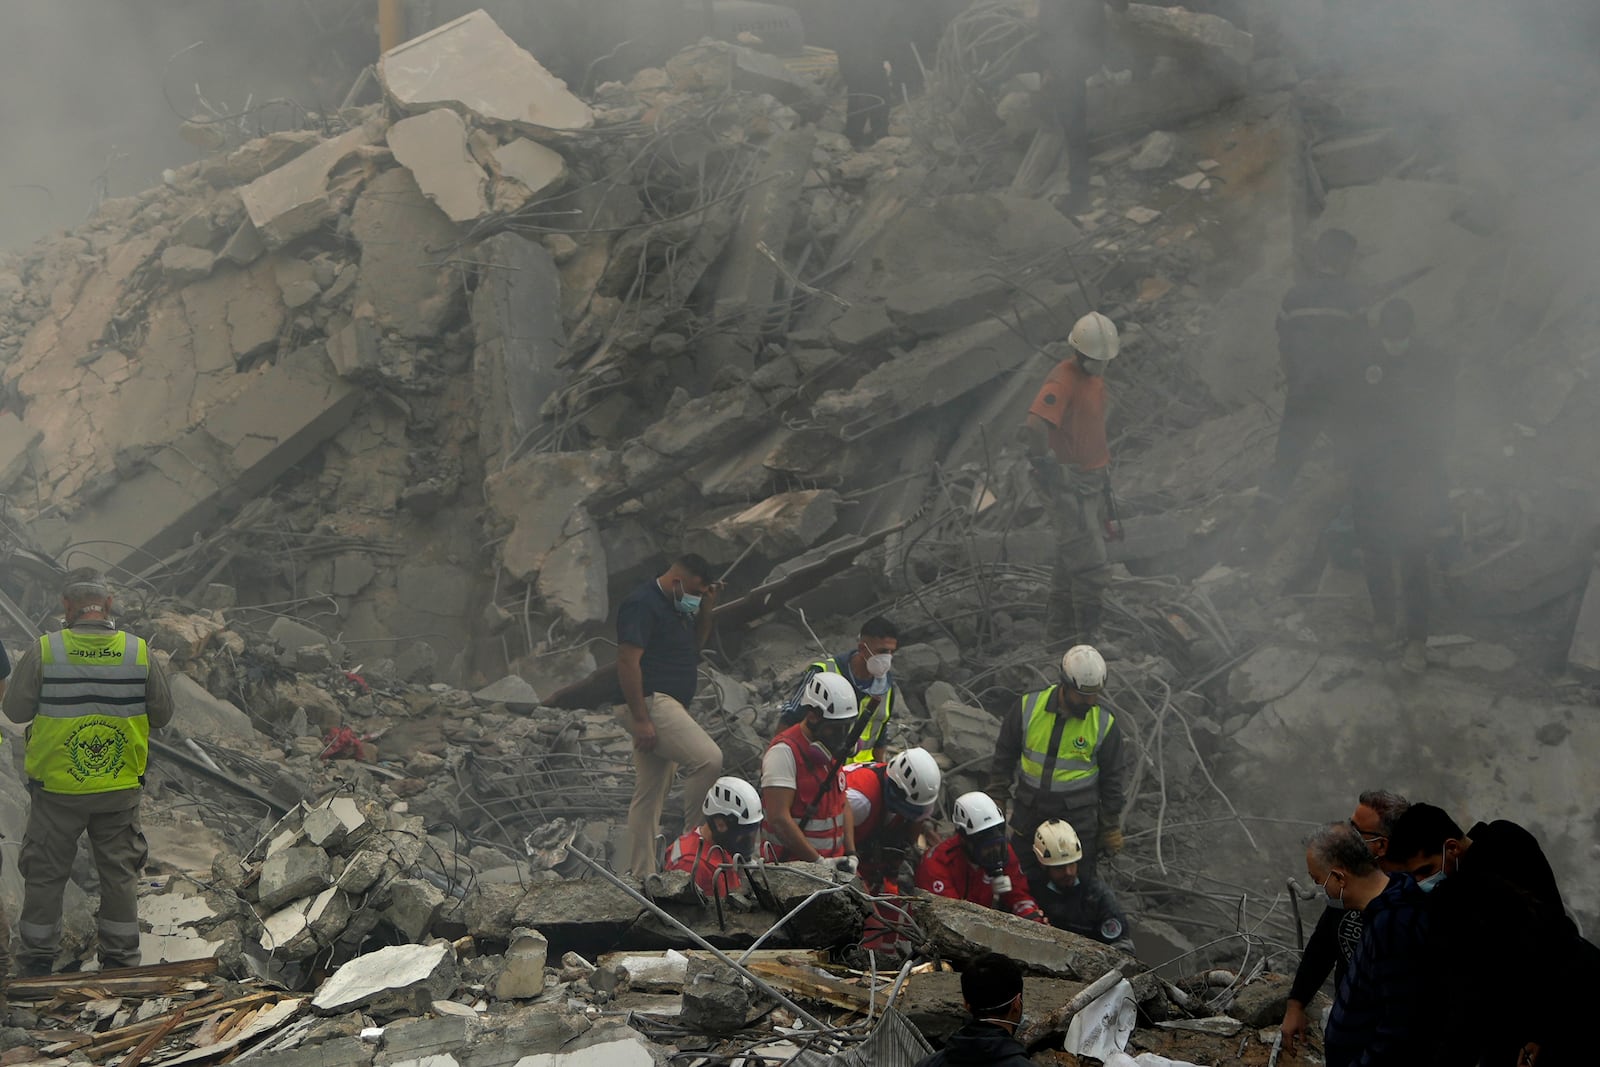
x: 660, y: 628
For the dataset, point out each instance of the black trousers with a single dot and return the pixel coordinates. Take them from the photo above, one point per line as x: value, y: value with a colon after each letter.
x: 1394, y: 557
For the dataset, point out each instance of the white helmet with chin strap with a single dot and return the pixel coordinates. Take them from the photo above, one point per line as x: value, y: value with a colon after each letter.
x: 976, y: 812
x: 1084, y: 668
x: 1095, y: 337
x: 1056, y: 844
x: 832, y: 695
x: 735, y: 798
x: 917, y: 775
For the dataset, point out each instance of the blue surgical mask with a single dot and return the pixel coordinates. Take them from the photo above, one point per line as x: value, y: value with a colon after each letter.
x: 878, y: 687
x: 687, y: 604
x: 1430, y: 883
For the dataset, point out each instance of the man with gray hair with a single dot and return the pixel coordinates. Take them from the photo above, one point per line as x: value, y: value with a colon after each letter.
x: 90, y: 694
x: 1337, y: 935
x: 1376, y: 1019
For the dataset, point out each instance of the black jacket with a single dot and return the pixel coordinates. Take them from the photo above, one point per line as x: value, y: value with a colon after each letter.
x: 1330, y: 949
x: 979, y: 1044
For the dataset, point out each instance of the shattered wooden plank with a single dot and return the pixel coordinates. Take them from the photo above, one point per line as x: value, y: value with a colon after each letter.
x: 808, y: 985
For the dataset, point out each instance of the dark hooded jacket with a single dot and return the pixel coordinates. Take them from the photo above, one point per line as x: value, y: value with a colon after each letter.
x: 979, y: 1044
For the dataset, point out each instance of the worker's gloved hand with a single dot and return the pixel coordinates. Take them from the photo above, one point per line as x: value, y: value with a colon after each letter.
x: 1113, y: 529
x: 1030, y: 910
x: 1001, y: 884
x: 847, y: 864
x: 1111, y: 840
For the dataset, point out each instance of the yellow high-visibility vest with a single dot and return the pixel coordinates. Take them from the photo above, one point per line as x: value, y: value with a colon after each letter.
x: 866, y: 747
x: 91, y: 733
x: 1075, y: 767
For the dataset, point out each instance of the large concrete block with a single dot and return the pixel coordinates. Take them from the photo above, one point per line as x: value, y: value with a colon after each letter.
x: 293, y: 200
x: 293, y: 873
x: 538, y: 493
x: 16, y: 440
x: 403, y: 239
x: 471, y: 65
x: 516, y: 322
x: 196, y: 713
x: 389, y: 980
x: 433, y: 147
x: 573, y: 577
x: 531, y: 165
x: 785, y: 524
x: 962, y: 930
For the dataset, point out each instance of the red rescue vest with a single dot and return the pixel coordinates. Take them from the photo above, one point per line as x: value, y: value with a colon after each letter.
x: 824, y: 831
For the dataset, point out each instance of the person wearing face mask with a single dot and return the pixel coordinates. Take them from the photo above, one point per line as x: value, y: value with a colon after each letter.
x: 1337, y: 935
x: 869, y: 667
x: 1069, y: 901
x: 802, y: 777
x: 732, y: 829
x: 1070, y: 462
x: 1059, y: 756
x: 891, y: 805
x: 660, y: 628
x: 991, y: 989
x: 1377, y: 1018
x: 977, y: 864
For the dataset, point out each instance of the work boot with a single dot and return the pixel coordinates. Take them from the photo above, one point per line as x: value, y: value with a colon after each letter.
x: 1415, y: 658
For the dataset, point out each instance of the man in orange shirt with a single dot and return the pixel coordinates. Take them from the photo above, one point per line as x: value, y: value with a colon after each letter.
x: 1066, y: 435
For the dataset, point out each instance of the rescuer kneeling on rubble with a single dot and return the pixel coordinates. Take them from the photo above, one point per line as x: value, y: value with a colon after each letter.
x: 802, y: 776
x: 977, y: 864
x: 890, y: 805
x: 91, y: 693
x: 732, y: 829
x: 1083, y: 905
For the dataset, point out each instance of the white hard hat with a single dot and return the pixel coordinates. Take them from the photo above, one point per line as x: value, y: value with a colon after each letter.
x: 1095, y: 336
x: 1056, y: 844
x: 976, y: 812
x: 735, y: 798
x: 1084, y: 668
x: 830, y: 694
x: 917, y: 775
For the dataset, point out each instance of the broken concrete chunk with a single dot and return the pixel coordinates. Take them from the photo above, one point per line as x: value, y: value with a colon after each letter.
x: 716, y: 998
x: 473, y: 66
x: 967, y: 733
x: 389, y: 980
x: 538, y: 493
x: 354, y: 349
x: 413, y: 906
x: 291, y: 874
x: 17, y: 440
x: 292, y: 635
x: 523, y: 976
x: 433, y: 146
x: 261, y: 156
x: 296, y: 281
x: 572, y: 579
x: 245, y: 246
x: 785, y: 525
x: 962, y: 930
x: 362, y: 872
x: 183, y: 264
x: 1209, y: 34
x: 293, y: 200
x: 532, y: 166
x: 619, y: 1047
x: 1155, y: 152
x: 196, y: 713
x: 516, y: 322
x: 196, y: 230
x: 403, y: 239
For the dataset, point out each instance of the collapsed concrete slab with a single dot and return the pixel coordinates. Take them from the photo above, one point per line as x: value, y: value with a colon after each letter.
x: 516, y: 322
x: 404, y: 241
x: 783, y: 525
x: 471, y: 65
x: 17, y: 440
x: 531, y: 165
x: 291, y: 201
x: 433, y: 147
x: 283, y: 412
x: 196, y: 713
x: 538, y: 494
x: 572, y: 579
x: 389, y: 980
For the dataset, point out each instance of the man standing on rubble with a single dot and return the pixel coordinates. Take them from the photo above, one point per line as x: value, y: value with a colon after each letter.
x: 91, y: 694
x: 802, y: 777
x: 1337, y: 935
x: 869, y: 667
x: 660, y: 628
x: 1067, y: 450
x: 1377, y: 1018
x: 1072, y: 48
x: 1061, y: 749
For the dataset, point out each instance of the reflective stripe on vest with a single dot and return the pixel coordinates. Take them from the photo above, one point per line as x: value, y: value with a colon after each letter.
x: 91, y: 733
x: 874, y: 729
x: 1075, y: 766
x: 824, y: 831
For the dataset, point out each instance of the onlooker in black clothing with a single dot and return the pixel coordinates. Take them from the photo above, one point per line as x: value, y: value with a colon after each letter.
x: 1072, y: 48
x: 991, y: 986
x: 1482, y: 930
x: 1325, y: 345
x: 1375, y: 1020
x: 1337, y: 934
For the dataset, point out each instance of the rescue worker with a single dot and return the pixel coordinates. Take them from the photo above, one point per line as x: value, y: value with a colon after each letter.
x: 1072, y: 49
x: 732, y: 829
x: 891, y: 805
x: 1324, y: 344
x: 870, y: 668
x: 1063, y: 752
x: 1084, y: 906
x: 661, y: 627
x: 977, y: 863
x: 1066, y: 442
x: 802, y: 777
x: 91, y: 694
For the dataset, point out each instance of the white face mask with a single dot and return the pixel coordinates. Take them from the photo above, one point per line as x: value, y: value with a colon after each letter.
x: 878, y: 666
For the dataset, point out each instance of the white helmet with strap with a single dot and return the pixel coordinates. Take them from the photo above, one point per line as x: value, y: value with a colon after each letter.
x: 1056, y: 844
x: 735, y: 798
x: 976, y: 812
x: 1095, y: 336
x: 917, y: 775
x: 831, y: 694
x: 1084, y: 668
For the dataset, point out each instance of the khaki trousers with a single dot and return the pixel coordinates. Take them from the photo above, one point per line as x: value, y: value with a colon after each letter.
x: 116, y: 839
x: 680, y: 742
